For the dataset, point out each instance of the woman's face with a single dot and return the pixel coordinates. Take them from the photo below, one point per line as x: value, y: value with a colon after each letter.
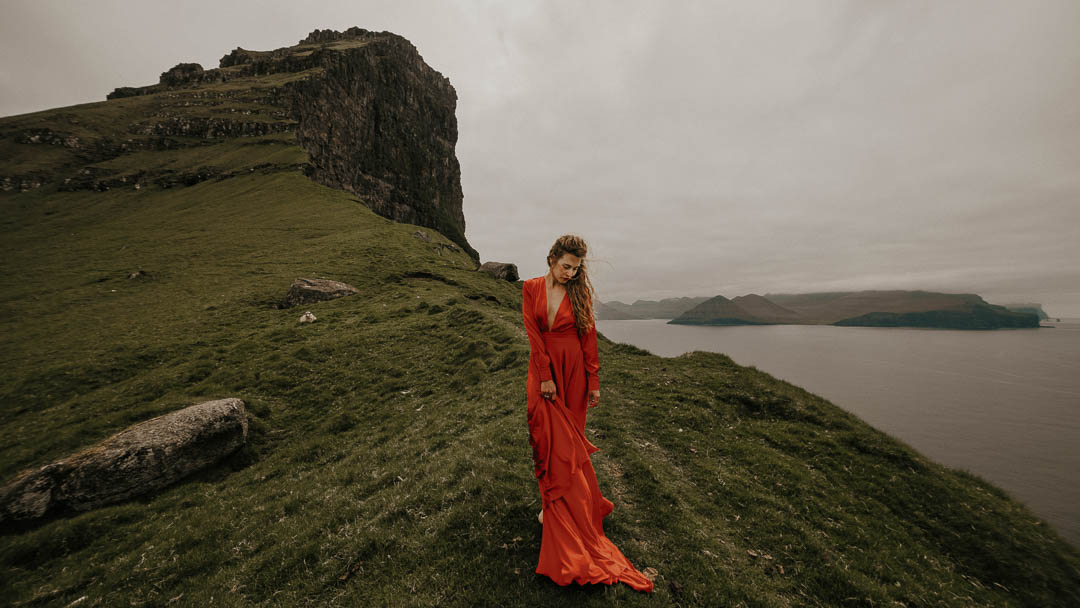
x: 566, y: 267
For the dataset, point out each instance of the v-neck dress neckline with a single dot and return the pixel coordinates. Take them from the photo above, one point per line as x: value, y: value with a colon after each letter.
x: 551, y: 323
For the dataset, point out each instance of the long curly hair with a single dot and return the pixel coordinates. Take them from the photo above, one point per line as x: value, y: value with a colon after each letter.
x: 579, y: 288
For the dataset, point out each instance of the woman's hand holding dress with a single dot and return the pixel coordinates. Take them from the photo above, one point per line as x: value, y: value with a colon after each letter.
x: 548, y: 389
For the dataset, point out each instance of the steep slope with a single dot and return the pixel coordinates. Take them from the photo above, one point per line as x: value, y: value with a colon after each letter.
x: 388, y: 459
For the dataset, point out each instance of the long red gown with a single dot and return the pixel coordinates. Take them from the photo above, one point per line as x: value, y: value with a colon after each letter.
x: 573, y: 547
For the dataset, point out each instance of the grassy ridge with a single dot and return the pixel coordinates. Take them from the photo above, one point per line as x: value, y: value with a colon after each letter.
x: 388, y: 459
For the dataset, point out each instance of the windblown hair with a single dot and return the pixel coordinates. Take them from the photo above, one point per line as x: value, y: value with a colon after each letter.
x: 579, y: 288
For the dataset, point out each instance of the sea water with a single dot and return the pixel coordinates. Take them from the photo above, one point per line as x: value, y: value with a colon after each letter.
x: 1003, y: 404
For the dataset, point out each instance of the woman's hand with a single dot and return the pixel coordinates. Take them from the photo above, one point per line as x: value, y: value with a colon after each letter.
x: 547, y: 389
x: 594, y: 398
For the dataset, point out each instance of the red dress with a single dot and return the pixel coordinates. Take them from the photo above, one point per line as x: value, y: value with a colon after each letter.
x: 573, y: 547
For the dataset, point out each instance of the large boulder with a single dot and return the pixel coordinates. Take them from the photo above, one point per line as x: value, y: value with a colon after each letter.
x: 308, y: 291
x: 181, y: 73
x: 500, y: 270
x: 144, y: 457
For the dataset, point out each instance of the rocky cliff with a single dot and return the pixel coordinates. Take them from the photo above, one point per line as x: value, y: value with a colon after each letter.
x: 373, y: 118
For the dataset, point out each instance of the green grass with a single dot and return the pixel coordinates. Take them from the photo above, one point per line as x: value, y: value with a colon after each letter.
x: 388, y: 460
x: 279, y: 148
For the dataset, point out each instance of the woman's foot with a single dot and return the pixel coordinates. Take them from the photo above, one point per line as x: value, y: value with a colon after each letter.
x: 541, y: 516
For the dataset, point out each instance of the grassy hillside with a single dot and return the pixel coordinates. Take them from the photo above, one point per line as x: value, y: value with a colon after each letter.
x: 388, y: 460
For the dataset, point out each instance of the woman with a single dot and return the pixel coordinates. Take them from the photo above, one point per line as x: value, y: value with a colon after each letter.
x: 562, y: 384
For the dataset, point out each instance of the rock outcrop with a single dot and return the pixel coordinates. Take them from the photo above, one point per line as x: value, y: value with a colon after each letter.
x: 144, y: 457
x: 379, y: 122
x: 500, y: 270
x: 308, y: 291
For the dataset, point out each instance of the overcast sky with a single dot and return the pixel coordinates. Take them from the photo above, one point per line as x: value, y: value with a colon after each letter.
x: 700, y: 148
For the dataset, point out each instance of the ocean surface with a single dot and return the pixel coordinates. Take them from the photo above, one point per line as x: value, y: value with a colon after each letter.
x: 1003, y: 404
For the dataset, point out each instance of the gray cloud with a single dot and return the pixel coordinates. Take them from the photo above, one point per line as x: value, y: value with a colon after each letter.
x: 701, y: 148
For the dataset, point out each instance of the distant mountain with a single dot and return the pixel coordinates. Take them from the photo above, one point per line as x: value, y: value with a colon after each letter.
x: 668, y: 308
x: 719, y: 311
x: 605, y: 310
x: 890, y: 308
x: 761, y: 308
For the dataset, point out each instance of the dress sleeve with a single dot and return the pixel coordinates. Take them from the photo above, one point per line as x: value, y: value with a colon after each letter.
x: 592, y: 359
x: 539, y: 361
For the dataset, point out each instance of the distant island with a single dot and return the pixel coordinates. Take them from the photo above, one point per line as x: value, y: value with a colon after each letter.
x: 872, y: 308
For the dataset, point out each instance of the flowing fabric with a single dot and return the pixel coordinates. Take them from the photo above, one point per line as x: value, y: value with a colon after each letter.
x: 573, y: 547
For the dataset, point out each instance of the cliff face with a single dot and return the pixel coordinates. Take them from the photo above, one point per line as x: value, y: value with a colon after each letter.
x: 374, y: 119
x: 379, y: 122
